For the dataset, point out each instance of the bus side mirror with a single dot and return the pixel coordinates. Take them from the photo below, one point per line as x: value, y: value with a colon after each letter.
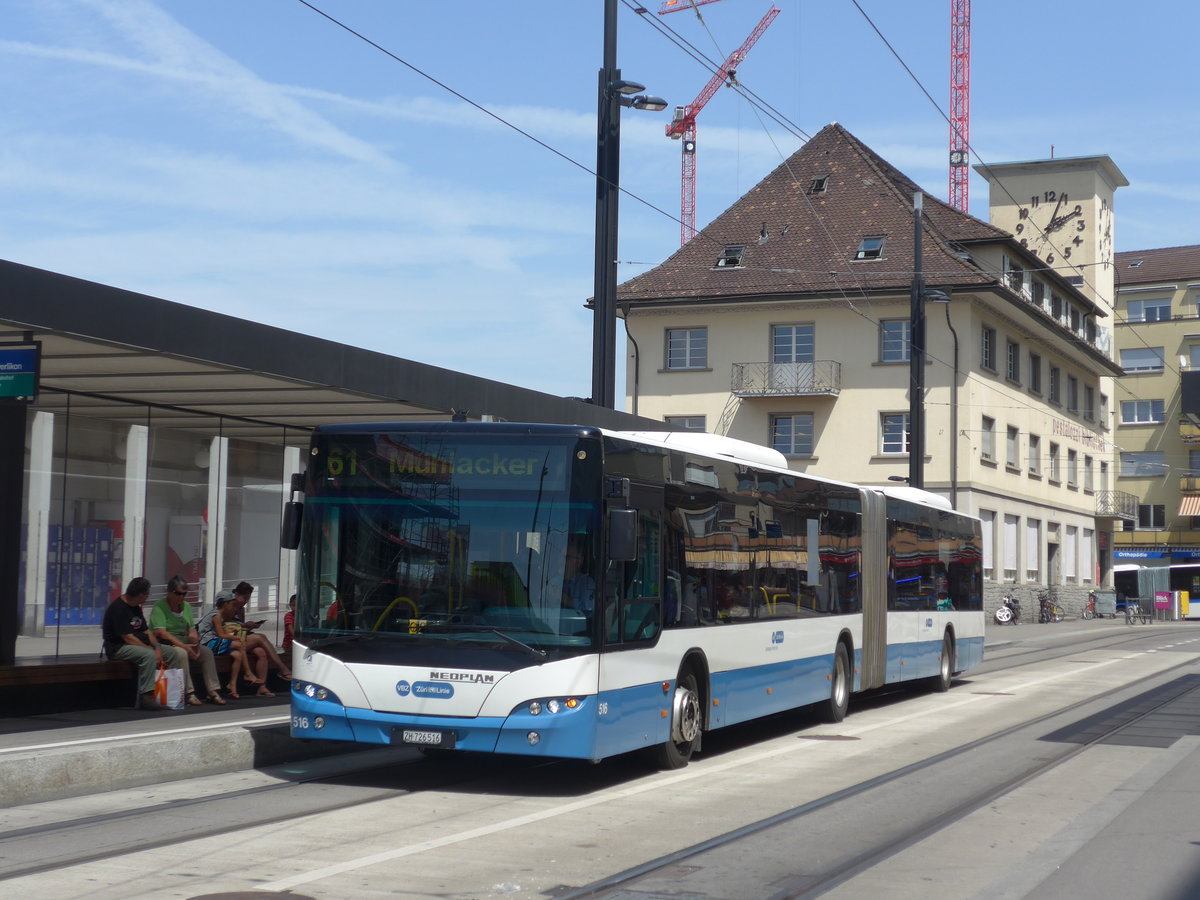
x: 622, y: 534
x: 289, y: 533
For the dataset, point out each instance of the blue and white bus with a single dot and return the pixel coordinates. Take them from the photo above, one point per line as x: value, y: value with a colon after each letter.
x: 569, y: 591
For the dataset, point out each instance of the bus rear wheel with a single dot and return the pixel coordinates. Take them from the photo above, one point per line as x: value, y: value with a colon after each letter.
x: 941, y: 681
x: 677, y: 750
x: 834, y: 709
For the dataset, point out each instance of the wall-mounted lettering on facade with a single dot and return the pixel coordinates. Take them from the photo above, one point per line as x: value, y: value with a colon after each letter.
x: 1091, y: 440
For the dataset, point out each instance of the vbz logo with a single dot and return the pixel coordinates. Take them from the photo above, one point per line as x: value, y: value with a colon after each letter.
x: 777, y: 637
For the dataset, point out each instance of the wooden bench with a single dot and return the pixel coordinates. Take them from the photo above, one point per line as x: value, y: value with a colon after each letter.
x: 39, y: 686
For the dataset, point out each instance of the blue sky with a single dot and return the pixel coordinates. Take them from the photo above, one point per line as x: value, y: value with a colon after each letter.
x: 250, y: 157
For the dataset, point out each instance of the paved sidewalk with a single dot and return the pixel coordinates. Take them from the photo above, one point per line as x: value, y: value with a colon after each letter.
x: 69, y: 754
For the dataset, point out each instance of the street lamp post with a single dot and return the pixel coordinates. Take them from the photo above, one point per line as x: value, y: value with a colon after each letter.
x: 917, y: 355
x: 613, y: 94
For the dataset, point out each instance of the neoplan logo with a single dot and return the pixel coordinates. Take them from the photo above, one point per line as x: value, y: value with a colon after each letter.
x: 472, y: 677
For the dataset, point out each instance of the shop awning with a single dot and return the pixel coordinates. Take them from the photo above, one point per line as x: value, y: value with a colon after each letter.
x: 1189, y: 505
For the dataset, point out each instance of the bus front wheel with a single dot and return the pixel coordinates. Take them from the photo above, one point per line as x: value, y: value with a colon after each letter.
x: 834, y: 709
x: 677, y: 750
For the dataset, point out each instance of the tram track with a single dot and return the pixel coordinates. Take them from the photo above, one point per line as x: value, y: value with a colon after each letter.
x: 140, y: 828
x: 193, y: 818
x: 641, y: 878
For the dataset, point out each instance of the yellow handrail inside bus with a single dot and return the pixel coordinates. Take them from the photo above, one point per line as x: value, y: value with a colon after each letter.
x: 390, y: 606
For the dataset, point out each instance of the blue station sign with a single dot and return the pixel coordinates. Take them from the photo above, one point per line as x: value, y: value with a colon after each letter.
x: 18, y: 371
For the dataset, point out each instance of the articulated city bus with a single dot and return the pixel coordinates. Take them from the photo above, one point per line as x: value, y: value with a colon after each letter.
x: 569, y: 591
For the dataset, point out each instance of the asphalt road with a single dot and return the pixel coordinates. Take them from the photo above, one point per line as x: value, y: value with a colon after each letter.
x: 1065, y: 766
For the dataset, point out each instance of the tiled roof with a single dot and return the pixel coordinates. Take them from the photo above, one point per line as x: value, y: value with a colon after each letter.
x: 1136, y: 267
x: 799, y: 241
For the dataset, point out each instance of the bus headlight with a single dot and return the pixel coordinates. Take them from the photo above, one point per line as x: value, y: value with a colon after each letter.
x: 550, y: 705
x: 314, y: 691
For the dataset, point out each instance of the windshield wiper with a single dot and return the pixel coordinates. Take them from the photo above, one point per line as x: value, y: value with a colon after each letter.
x: 342, y: 638
x: 536, y: 653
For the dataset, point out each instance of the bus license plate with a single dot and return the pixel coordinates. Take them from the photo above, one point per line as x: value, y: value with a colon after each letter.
x: 423, y: 738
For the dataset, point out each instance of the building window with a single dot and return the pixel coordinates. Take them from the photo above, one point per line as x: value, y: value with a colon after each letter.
x: 685, y: 423
x: 1035, y: 449
x: 1143, y: 464
x: 792, y: 343
x: 1156, y: 310
x: 1011, y: 546
x: 1035, y: 373
x: 1013, y: 370
x: 1014, y: 276
x: 987, y: 537
x: 1013, y: 448
x: 1088, y: 481
x: 1072, y: 468
x: 1104, y: 410
x: 1055, y: 394
x: 987, y: 441
x: 1039, y: 295
x: 792, y: 434
x: 1152, y: 515
x: 1033, y: 549
x: 1054, y: 473
x: 1072, y: 394
x: 1056, y: 307
x: 1076, y: 323
x: 1142, y: 359
x: 1141, y: 412
x: 731, y: 256
x: 1103, y: 476
x: 988, y: 348
x: 687, y: 348
x: 870, y: 248
x: 894, y: 340
x: 894, y: 431
x: 818, y: 185
x: 1089, y: 403
x: 1070, y: 554
x: 1087, y: 568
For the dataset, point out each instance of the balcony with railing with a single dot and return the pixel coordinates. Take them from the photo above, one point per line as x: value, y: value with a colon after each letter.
x: 822, y: 377
x: 1117, y: 505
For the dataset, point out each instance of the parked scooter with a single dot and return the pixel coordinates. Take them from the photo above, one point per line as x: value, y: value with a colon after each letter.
x: 1009, y: 612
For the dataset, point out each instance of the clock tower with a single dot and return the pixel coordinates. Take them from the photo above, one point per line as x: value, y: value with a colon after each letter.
x: 1062, y: 210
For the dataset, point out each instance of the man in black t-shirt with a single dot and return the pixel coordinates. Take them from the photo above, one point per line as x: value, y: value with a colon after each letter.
x: 127, y: 636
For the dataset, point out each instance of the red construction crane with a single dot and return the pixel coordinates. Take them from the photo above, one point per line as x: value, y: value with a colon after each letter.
x: 671, y: 6
x: 684, y: 124
x: 960, y: 103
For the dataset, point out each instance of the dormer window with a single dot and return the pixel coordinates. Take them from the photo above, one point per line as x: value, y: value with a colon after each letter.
x: 1135, y: 264
x: 817, y: 185
x: 870, y: 248
x: 731, y: 256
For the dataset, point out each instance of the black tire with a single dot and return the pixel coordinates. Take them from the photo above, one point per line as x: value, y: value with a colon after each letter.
x: 686, y: 725
x: 1087, y: 613
x: 834, y: 709
x: 941, y: 681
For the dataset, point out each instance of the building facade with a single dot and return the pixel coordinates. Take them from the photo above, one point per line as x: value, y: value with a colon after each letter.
x: 1158, y: 418
x: 788, y: 321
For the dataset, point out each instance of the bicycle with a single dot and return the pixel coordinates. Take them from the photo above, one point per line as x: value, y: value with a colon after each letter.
x: 1134, y: 613
x: 1089, y: 611
x: 1049, y: 611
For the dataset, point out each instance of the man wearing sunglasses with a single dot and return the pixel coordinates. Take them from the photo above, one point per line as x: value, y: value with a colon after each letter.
x: 174, y: 625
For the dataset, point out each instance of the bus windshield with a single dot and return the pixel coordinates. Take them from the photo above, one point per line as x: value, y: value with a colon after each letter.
x: 437, y: 539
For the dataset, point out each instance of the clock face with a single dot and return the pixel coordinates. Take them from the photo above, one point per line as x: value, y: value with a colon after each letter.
x: 1106, y: 236
x: 1051, y: 225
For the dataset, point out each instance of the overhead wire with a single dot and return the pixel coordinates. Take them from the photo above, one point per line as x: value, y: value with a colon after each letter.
x: 757, y: 103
